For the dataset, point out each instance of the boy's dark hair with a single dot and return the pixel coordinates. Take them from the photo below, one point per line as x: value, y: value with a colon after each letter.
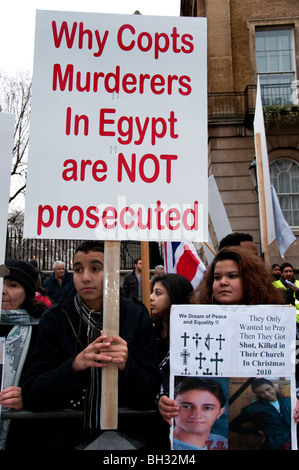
x: 259, y: 382
x: 90, y: 245
x: 197, y: 383
x: 286, y: 265
x: 235, y: 239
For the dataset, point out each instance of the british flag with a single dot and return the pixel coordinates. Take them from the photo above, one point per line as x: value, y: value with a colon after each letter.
x: 182, y: 258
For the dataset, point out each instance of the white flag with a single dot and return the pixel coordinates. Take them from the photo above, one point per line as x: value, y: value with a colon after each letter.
x: 284, y: 234
x: 259, y: 128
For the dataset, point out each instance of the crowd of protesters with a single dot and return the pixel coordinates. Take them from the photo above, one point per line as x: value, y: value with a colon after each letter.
x: 56, y: 349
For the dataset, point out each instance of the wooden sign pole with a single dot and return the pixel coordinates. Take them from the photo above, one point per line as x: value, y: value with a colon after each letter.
x: 109, y: 398
x: 262, y: 203
x: 146, y: 291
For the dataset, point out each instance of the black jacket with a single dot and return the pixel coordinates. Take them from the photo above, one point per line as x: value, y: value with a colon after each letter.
x: 51, y: 383
x: 276, y: 426
x: 129, y: 288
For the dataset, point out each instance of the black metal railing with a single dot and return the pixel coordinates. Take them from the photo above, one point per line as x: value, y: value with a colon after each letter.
x: 240, y: 106
x: 232, y: 106
x: 279, y: 94
x: 226, y: 105
x: 47, y: 251
x: 44, y: 251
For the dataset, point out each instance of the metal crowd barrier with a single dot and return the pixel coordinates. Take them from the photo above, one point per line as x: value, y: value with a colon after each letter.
x: 65, y: 413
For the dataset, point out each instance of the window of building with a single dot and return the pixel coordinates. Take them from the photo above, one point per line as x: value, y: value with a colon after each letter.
x: 284, y: 174
x: 275, y: 64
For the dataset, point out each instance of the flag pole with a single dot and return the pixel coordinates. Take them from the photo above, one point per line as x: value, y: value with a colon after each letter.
x: 213, y: 236
x: 261, y: 191
x: 210, y: 248
x: 146, y: 292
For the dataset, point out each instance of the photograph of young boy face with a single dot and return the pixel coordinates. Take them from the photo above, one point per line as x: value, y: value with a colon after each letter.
x: 201, y: 403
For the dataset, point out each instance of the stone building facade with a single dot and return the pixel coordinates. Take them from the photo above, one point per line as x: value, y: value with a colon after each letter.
x: 246, y: 39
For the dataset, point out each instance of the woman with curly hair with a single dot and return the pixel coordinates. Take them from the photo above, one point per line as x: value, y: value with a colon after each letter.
x: 236, y: 276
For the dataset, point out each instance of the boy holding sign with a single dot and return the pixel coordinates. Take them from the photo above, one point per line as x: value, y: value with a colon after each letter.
x: 72, y: 349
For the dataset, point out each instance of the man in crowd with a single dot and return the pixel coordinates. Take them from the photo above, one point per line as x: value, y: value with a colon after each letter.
x: 245, y: 240
x: 159, y: 269
x: 59, y: 283
x: 132, y: 285
x: 290, y: 285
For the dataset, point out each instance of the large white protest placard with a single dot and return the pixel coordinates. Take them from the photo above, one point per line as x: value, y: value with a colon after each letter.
x: 118, y: 133
x: 233, y: 346
x: 7, y: 125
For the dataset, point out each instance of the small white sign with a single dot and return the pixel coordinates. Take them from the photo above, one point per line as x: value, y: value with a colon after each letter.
x: 230, y: 347
x: 118, y: 139
x: 2, y: 362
